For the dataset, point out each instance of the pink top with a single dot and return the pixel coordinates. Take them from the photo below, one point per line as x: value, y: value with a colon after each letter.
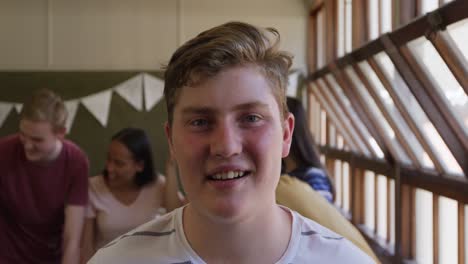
x: 114, y: 218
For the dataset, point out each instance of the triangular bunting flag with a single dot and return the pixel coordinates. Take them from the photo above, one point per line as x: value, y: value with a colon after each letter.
x: 98, y: 105
x: 71, y: 106
x: 154, y: 88
x: 131, y: 91
x: 5, y: 109
x: 18, y: 108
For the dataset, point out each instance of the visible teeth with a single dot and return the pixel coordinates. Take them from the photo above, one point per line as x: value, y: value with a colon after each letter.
x: 228, y: 175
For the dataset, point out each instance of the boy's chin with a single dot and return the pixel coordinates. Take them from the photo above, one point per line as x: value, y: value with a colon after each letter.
x: 33, y: 157
x: 226, y: 212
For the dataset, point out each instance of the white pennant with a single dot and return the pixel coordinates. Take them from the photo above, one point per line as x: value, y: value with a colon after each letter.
x: 72, y: 107
x: 98, y: 105
x: 154, y: 88
x: 131, y: 91
x: 18, y: 108
x: 5, y: 109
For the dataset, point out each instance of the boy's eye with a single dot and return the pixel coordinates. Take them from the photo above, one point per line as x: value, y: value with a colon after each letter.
x: 252, y: 118
x: 199, y: 122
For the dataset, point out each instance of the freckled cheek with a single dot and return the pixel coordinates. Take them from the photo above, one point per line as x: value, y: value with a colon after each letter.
x: 263, y: 145
x: 189, y: 150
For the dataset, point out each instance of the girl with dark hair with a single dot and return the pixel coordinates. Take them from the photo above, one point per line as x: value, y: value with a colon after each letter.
x: 128, y: 193
x: 303, y: 161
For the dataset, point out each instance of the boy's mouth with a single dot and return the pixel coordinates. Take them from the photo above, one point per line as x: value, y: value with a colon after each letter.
x: 228, y: 175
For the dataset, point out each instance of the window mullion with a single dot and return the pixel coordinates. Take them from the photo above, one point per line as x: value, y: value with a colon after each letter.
x: 451, y: 136
x: 396, y: 128
x: 417, y: 130
x: 452, y: 56
x: 344, y: 82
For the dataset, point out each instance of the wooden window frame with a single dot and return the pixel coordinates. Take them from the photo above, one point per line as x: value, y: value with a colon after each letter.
x: 351, y: 116
x: 342, y: 117
x: 380, y: 129
x: 333, y: 117
x: 407, y: 179
x: 416, y: 129
x: 402, y: 140
x: 344, y: 82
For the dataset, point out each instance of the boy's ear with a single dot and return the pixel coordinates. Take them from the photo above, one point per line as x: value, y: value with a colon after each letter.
x: 288, y: 129
x: 60, y: 132
x: 168, y: 132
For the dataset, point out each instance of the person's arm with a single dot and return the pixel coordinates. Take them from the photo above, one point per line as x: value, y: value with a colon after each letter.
x: 74, y: 220
x: 87, y: 242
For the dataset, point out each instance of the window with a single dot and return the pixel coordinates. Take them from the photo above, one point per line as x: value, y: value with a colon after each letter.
x: 409, y: 101
x: 369, y: 200
x: 382, y: 206
x: 356, y: 120
x: 349, y: 25
x: 448, y: 230
x: 387, y: 102
x: 385, y: 16
x: 424, y: 234
x: 371, y: 109
x: 348, y: 127
x: 374, y: 18
x: 441, y: 76
x: 380, y: 17
x: 346, y: 186
x: 427, y: 6
x: 314, y: 117
x: 378, y: 118
x: 330, y: 112
x: 392, y: 211
x: 323, y: 127
x: 338, y: 183
x: 339, y: 141
x: 331, y: 136
x: 321, y: 50
x: 344, y: 37
x: 459, y: 33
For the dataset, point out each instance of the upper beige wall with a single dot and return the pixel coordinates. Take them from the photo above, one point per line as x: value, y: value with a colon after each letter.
x: 129, y: 35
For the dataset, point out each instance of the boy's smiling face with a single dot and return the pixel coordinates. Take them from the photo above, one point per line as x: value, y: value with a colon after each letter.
x: 39, y: 140
x: 228, y: 138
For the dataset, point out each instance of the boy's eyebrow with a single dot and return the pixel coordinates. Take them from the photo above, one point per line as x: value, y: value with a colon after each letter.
x: 211, y: 110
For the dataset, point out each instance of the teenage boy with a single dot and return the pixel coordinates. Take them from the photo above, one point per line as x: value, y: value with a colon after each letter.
x: 43, y: 187
x: 228, y: 128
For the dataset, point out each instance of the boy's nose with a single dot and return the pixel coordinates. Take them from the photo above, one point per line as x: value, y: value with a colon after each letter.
x: 225, y: 141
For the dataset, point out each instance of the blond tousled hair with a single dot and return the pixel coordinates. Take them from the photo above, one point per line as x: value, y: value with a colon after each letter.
x: 223, y: 47
x: 45, y: 105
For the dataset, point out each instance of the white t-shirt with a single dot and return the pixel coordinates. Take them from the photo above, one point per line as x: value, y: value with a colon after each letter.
x: 163, y: 241
x: 114, y: 218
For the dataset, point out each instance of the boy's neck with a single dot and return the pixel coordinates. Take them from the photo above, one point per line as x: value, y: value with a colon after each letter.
x: 268, y: 232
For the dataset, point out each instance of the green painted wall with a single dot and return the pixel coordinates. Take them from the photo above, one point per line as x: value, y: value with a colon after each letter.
x: 86, y: 131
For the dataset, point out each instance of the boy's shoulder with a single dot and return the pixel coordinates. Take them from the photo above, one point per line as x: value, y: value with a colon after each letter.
x: 154, y: 240
x: 322, y: 245
x: 9, y: 141
x: 73, y: 150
